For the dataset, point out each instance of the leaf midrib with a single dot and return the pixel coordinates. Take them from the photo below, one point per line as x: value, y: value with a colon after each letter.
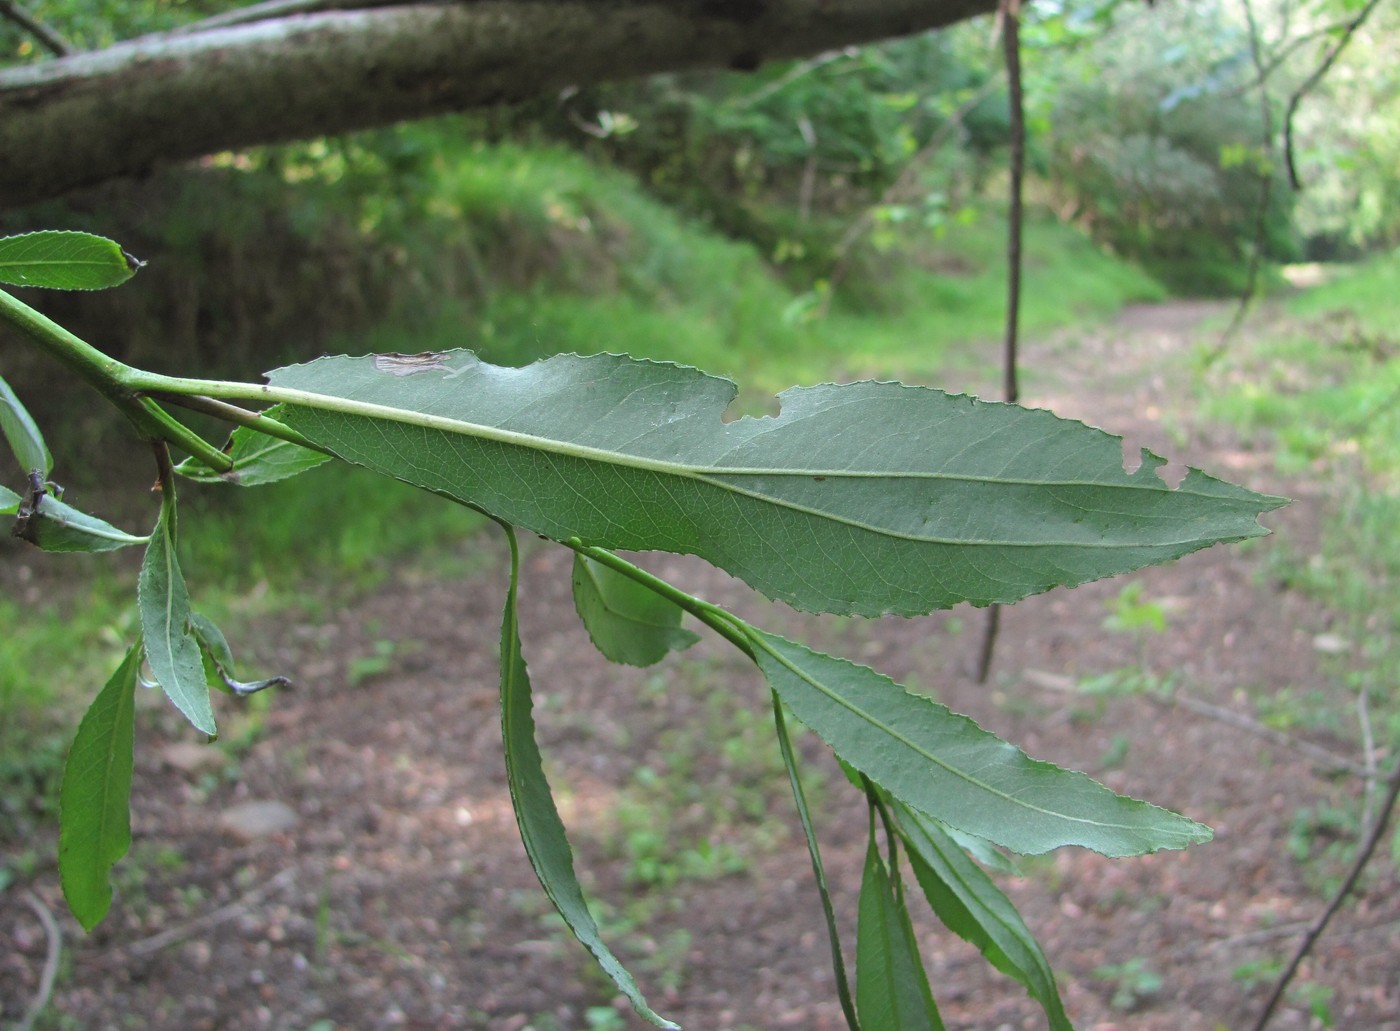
x: 715, y: 476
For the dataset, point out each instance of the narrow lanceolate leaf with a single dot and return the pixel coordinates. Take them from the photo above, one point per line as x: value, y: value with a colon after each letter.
x: 945, y: 765
x: 627, y: 622
x: 23, y: 434
x: 541, y: 830
x: 974, y: 908
x: 257, y: 459
x: 94, y: 802
x: 9, y: 501
x: 64, y: 261
x: 171, y: 648
x: 868, y: 498
x: 56, y: 526
x: 804, y: 815
x: 892, y: 992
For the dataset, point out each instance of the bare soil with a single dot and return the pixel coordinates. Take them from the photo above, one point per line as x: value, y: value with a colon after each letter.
x: 402, y: 897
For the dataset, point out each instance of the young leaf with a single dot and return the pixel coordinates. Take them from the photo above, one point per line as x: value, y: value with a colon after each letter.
x: 868, y: 498
x: 23, y: 435
x: 164, y: 603
x: 892, y: 992
x: 94, y: 801
x: 64, y: 261
x: 541, y: 830
x: 945, y: 765
x: 9, y: 501
x: 257, y: 459
x: 972, y: 907
x: 627, y: 622
x: 56, y: 526
x: 218, y: 660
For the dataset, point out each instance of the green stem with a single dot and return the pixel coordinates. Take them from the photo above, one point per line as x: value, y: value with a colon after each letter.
x: 109, y: 377
x: 175, y: 432
x: 243, y: 417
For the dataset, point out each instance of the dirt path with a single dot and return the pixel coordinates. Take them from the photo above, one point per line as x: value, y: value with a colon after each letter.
x: 401, y: 898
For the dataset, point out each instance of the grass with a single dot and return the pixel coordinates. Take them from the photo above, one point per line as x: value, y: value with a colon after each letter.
x: 537, y: 251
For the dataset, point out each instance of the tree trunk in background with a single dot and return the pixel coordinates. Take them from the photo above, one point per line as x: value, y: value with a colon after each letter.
x: 122, y: 111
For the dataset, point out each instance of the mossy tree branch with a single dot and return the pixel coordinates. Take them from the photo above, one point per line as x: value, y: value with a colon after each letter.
x: 142, y: 103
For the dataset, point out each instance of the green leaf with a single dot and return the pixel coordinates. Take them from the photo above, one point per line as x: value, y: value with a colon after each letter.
x: 257, y: 459
x: 627, y: 622
x: 171, y: 648
x: 947, y: 766
x: 541, y: 830
x: 59, y: 527
x: 979, y: 849
x: 9, y: 501
x: 94, y: 802
x: 64, y: 261
x: 868, y: 498
x: 23, y: 435
x: 218, y: 660
x: 892, y: 992
x: 974, y: 908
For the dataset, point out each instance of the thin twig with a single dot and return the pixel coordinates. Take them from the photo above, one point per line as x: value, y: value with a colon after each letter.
x: 1310, y: 83
x: 1368, y: 752
x: 1315, y: 932
x: 174, y: 935
x: 10, y: 10
x: 55, y: 949
x: 1325, y: 759
x: 794, y: 73
x: 902, y: 184
x: 1010, y: 17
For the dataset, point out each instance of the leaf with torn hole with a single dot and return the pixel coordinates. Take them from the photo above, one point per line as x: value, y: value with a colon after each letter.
x: 867, y: 498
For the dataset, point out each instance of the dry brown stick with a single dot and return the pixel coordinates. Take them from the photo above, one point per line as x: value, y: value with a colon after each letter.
x: 1324, y: 758
x: 174, y: 935
x: 1010, y: 16
x: 50, y: 972
x: 1327, y: 760
x: 1368, y: 849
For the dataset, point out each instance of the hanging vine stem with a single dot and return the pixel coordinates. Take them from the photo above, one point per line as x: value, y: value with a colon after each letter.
x: 1363, y: 858
x: 1010, y: 18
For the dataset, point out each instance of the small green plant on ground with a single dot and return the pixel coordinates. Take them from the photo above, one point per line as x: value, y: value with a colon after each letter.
x: 859, y: 499
x: 1131, y: 614
x: 1134, y: 983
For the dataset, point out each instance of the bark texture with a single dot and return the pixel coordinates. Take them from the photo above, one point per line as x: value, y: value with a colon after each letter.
x: 123, y: 111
